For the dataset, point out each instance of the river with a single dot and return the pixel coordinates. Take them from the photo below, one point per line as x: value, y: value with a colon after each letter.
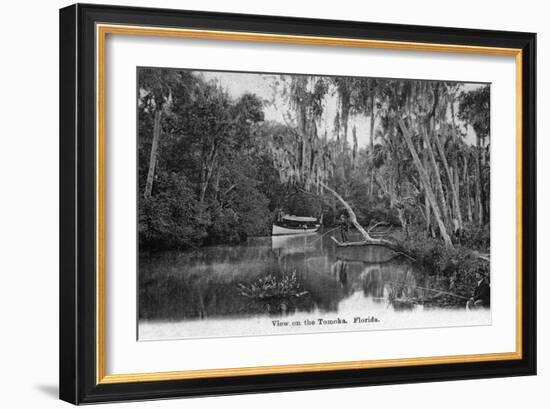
x: 212, y: 291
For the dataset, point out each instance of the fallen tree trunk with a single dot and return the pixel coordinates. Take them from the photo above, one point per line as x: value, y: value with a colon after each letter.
x: 389, y: 245
x: 353, y: 218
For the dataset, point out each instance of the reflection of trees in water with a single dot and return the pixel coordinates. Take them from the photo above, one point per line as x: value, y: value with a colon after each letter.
x: 203, y: 284
x: 372, y: 283
x: 190, y: 297
x: 392, y: 282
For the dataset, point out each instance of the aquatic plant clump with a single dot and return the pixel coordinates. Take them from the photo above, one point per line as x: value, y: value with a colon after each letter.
x: 270, y: 287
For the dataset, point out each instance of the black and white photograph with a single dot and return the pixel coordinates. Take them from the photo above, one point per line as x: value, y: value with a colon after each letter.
x: 277, y: 203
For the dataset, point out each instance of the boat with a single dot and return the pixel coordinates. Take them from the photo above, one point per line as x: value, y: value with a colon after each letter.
x: 290, y: 225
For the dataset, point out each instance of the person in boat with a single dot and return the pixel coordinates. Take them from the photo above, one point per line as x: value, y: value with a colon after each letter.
x: 344, y: 227
x: 280, y: 215
x: 481, y: 296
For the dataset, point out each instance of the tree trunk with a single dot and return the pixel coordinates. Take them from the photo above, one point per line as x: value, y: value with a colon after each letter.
x: 436, y: 175
x: 426, y: 181
x: 454, y: 193
x: 209, y: 168
x: 302, y: 119
x: 428, y: 211
x: 456, y: 172
x: 467, y: 188
x: 455, y: 160
x: 352, y: 216
x: 479, y: 202
x: 217, y: 184
x: 372, y: 118
x: 153, y: 156
x: 404, y: 223
x: 426, y: 201
x: 355, y: 148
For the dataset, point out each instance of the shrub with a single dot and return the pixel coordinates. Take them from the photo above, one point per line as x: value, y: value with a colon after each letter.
x: 172, y: 217
x: 478, y: 237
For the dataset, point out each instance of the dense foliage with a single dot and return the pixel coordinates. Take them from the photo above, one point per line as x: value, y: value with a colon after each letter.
x: 205, y: 188
x: 213, y: 169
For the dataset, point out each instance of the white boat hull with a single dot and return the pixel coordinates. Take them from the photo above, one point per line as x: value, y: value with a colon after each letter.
x: 285, y: 231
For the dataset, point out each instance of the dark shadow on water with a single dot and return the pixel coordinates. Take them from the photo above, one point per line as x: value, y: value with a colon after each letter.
x: 50, y: 390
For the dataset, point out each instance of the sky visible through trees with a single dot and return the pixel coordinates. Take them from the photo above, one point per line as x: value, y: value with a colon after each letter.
x: 275, y: 109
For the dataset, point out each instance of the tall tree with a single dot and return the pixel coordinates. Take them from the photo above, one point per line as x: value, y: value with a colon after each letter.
x: 426, y: 182
x: 474, y: 110
x: 155, y: 89
x: 364, y: 102
x: 416, y: 103
x: 447, y: 101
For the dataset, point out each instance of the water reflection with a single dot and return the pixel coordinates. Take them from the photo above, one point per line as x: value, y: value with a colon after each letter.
x: 207, y: 283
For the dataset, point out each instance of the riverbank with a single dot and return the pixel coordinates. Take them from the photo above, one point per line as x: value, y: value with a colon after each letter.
x: 457, y: 269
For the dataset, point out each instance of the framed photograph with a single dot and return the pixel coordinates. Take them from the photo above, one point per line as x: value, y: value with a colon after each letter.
x: 257, y: 203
